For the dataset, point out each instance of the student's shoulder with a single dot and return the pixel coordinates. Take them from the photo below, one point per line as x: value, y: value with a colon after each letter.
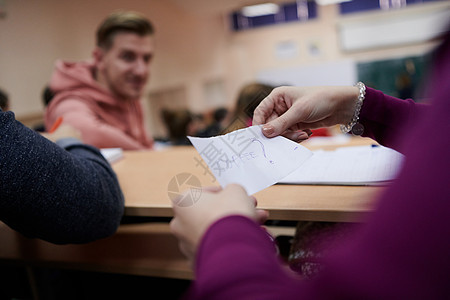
x: 71, y: 103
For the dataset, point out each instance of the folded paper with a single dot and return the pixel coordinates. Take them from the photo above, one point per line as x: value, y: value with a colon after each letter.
x: 248, y: 158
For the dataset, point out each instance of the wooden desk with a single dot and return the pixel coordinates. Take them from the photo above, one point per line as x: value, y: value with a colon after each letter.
x: 150, y: 249
x: 147, y: 249
x: 144, y: 177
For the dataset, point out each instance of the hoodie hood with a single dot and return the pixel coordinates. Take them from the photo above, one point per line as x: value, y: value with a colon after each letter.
x: 78, y: 77
x: 80, y: 99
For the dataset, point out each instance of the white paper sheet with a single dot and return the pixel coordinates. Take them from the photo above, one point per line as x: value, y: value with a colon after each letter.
x: 112, y: 154
x: 247, y: 157
x: 360, y: 165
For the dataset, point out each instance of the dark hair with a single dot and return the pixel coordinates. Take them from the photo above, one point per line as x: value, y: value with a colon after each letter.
x: 177, y: 122
x: 250, y: 95
x: 122, y: 22
x: 47, y: 95
x: 4, y: 102
x: 220, y: 114
x: 249, y: 98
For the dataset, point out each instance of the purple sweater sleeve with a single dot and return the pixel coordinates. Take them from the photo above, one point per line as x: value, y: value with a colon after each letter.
x: 234, y: 258
x: 400, y: 252
x: 386, y: 119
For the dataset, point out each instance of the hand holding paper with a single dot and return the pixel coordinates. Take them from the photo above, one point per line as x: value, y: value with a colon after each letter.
x: 247, y: 157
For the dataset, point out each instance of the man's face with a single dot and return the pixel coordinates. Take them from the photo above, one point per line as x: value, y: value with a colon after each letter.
x: 124, y: 68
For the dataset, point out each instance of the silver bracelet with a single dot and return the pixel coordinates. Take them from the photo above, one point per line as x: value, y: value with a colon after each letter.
x: 355, y: 127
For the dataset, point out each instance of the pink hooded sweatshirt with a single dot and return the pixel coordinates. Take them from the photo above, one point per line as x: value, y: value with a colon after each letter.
x: 103, y: 120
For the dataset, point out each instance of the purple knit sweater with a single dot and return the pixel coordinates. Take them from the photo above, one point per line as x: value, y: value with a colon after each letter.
x: 402, y: 251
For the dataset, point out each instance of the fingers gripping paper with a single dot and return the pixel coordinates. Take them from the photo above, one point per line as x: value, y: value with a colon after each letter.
x: 247, y: 157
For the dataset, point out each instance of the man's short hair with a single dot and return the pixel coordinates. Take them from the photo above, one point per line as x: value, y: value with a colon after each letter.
x: 122, y: 22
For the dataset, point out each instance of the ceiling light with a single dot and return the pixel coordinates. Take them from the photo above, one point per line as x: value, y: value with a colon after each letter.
x: 260, y: 10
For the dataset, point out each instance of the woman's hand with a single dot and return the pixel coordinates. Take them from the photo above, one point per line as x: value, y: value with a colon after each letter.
x: 293, y: 111
x: 190, y: 223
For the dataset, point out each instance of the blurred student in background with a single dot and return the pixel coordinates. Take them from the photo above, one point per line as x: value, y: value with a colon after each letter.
x: 4, y: 101
x: 178, y: 123
x: 47, y: 95
x: 216, y: 125
x: 249, y: 97
x: 101, y: 98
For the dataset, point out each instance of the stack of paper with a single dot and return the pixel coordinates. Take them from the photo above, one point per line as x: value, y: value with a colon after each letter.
x: 361, y: 165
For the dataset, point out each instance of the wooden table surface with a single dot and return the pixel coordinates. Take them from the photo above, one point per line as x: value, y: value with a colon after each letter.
x: 145, y: 175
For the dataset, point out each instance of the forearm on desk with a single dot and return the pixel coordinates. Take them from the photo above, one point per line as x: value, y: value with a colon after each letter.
x: 62, y: 196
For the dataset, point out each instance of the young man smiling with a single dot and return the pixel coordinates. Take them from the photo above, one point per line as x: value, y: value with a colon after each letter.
x: 101, y: 98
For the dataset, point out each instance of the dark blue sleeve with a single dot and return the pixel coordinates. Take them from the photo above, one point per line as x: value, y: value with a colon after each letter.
x: 61, y: 195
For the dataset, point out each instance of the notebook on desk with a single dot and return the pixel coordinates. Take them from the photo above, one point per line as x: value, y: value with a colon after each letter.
x: 112, y: 154
x: 359, y: 165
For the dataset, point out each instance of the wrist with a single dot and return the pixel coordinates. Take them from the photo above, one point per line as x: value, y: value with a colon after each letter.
x: 355, y: 101
x: 348, y: 97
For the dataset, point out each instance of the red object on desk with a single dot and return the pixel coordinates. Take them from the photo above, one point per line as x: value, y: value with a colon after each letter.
x: 56, y: 124
x: 320, y: 132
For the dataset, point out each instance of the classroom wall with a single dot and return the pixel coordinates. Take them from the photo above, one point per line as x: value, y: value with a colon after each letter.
x: 196, y: 53
x: 256, y: 50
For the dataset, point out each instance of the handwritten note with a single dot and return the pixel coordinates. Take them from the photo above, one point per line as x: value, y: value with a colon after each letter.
x: 247, y: 157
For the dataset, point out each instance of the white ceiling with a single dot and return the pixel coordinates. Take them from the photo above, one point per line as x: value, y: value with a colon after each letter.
x: 217, y: 6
